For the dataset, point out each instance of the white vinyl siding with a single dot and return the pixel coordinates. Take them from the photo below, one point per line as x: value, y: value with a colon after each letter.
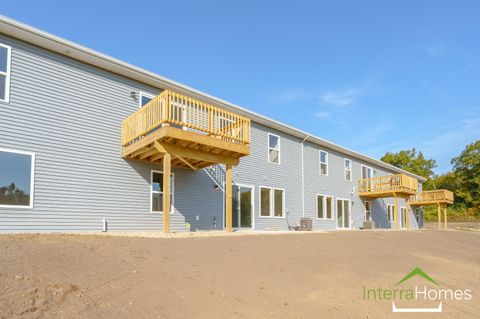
x: 5, y: 58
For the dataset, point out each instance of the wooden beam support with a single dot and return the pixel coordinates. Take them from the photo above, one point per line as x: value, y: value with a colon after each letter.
x: 156, y: 156
x: 168, y: 132
x: 167, y: 169
x: 228, y: 198
x: 439, y: 213
x: 396, y: 211
x: 445, y: 216
x: 148, y: 153
x: 407, y: 213
x: 194, y: 154
x: 138, y: 152
x: 187, y: 163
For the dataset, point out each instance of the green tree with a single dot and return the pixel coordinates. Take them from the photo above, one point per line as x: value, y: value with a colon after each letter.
x: 12, y: 195
x: 467, y: 168
x: 450, y: 181
x: 414, y: 162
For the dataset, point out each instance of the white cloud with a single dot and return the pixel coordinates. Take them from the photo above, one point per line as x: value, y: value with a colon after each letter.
x: 322, y: 115
x: 292, y: 95
x: 340, y: 99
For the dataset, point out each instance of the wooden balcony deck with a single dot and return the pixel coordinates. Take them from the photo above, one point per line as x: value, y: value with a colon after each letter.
x: 434, y: 197
x: 388, y: 186
x: 194, y: 133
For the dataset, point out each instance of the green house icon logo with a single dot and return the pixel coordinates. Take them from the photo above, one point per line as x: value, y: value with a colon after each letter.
x: 419, y: 272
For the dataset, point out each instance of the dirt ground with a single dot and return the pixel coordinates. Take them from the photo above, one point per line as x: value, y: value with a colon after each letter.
x: 315, y: 275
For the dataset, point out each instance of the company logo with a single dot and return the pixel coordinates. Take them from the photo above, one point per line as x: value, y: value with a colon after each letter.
x: 428, y: 297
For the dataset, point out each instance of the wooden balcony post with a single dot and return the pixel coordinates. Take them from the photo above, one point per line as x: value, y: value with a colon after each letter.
x: 167, y: 159
x: 211, y: 123
x: 445, y: 215
x: 228, y: 198
x: 439, y: 213
x: 407, y: 213
x: 396, y: 212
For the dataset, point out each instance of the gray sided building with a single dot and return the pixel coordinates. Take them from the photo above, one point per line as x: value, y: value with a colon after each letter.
x: 61, y: 113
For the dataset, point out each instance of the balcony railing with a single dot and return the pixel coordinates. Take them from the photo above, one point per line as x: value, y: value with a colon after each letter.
x: 398, y: 183
x: 438, y: 196
x: 171, y: 108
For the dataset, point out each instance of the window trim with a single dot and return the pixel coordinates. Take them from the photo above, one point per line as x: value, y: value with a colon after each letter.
x: 345, y: 169
x: 365, y: 211
x: 172, y: 191
x: 402, y: 218
x: 252, y: 187
x: 268, y: 148
x: 417, y: 214
x: 349, y: 212
x: 320, y: 162
x: 271, y: 201
x: 32, y: 177
x: 142, y: 94
x: 393, y: 213
x: 7, y: 74
x: 325, y: 206
x: 361, y: 170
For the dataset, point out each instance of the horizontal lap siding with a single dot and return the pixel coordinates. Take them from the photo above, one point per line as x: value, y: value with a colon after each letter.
x: 69, y: 114
x: 255, y: 170
x: 335, y: 184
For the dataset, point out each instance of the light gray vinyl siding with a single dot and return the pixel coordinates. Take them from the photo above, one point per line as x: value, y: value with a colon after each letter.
x: 255, y: 170
x: 335, y: 185
x: 69, y: 114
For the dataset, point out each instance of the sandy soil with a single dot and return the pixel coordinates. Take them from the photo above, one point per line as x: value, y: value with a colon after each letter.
x: 471, y: 226
x: 318, y: 275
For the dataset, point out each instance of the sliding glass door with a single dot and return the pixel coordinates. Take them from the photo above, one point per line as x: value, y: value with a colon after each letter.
x: 242, y: 209
x: 343, y: 213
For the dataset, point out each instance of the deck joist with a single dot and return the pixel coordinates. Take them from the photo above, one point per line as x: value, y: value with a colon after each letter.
x: 188, y: 149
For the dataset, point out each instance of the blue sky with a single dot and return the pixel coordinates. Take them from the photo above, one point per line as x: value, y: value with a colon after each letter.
x: 374, y: 76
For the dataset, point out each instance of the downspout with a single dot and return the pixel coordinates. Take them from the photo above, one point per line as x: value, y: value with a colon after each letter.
x: 303, y: 176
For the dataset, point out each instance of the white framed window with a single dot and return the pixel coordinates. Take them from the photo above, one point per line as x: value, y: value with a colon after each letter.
x: 272, y: 202
x: 368, y: 211
x: 403, y: 217
x: 348, y: 169
x: 367, y: 172
x: 324, y: 206
x: 17, y: 178
x: 323, y: 163
x: 144, y: 98
x: 5, y: 59
x: 273, y: 148
x: 157, y: 192
x: 390, y: 213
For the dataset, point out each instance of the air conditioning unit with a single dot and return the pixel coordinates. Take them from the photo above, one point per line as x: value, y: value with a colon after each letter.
x: 306, y: 224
